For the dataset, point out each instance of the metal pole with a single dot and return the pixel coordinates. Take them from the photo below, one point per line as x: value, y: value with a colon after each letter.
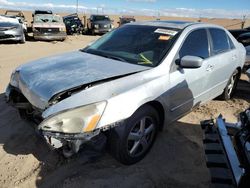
x: 76, y: 6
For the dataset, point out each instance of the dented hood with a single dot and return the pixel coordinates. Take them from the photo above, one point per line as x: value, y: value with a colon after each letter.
x: 40, y: 80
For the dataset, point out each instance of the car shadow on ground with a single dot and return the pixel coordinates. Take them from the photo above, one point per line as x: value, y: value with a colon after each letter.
x: 176, y: 160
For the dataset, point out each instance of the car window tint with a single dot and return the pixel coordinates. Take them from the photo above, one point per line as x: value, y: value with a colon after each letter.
x: 219, y: 40
x: 196, y: 44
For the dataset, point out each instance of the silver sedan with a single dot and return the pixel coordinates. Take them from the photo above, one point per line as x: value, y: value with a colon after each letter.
x: 11, y: 31
x: 127, y: 85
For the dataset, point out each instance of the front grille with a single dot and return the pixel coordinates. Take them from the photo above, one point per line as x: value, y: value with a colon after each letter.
x: 6, y: 36
x: 104, y: 26
x: 3, y: 29
x: 47, y: 30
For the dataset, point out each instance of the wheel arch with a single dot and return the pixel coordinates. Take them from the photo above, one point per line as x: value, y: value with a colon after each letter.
x: 160, y: 110
x: 240, y: 70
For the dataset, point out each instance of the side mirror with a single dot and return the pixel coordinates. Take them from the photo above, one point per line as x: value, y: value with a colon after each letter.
x: 191, y: 62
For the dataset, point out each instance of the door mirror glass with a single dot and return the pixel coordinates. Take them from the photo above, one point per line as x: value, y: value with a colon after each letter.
x: 191, y: 62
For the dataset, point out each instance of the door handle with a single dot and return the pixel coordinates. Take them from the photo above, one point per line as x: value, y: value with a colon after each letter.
x: 209, y: 68
x: 234, y: 57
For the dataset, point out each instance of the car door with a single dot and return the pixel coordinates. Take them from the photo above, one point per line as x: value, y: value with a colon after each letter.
x: 189, y: 85
x: 222, y: 61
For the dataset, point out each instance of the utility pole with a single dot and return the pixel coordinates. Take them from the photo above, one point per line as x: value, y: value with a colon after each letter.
x: 243, y: 21
x: 76, y: 6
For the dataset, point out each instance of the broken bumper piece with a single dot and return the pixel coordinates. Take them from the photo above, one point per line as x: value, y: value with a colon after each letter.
x: 221, y: 157
x: 58, y: 140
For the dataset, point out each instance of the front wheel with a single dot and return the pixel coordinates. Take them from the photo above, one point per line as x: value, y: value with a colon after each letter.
x: 130, y: 142
x: 231, y: 86
x: 23, y: 40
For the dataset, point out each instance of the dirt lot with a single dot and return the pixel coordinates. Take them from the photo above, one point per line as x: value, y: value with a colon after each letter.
x: 176, y: 160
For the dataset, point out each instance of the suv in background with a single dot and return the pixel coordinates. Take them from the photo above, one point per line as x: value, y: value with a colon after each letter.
x: 99, y: 24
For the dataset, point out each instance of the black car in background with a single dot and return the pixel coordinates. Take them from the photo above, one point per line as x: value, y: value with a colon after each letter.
x: 242, y: 35
x: 99, y: 24
x: 73, y: 24
x: 125, y: 19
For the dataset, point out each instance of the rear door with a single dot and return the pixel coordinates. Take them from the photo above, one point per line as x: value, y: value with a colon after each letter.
x: 222, y: 61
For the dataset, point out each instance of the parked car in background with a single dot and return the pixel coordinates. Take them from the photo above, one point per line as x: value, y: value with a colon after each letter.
x: 99, y: 24
x: 48, y: 27
x: 126, y: 19
x: 242, y: 35
x: 11, y: 30
x: 41, y: 12
x: 247, y: 64
x: 127, y: 85
x: 73, y: 24
x: 19, y: 16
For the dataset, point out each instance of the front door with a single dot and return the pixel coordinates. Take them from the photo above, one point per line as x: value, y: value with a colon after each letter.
x: 189, y: 85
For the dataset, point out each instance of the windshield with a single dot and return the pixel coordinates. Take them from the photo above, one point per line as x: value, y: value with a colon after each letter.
x: 101, y: 18
x: 47, y: 18
x: 141, y: 45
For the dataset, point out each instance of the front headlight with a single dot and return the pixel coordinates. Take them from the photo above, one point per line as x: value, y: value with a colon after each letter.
x: 62, y: 29
x: 14, y: 28
x: 96, y: 26
x: 112, y: 26
x: 78, y: 120
x: 14, y: 79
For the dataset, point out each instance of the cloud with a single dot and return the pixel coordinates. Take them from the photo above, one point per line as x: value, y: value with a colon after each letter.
x: 176, y: 12
x: 32, y: 6
x: 143, y: 1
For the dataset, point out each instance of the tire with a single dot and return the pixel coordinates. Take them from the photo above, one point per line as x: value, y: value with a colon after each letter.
x: 132, y: 140
x: 231, y: 86
x: 23, y: 40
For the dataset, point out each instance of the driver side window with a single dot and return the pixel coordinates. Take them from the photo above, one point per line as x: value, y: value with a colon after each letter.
x: 196, y: 44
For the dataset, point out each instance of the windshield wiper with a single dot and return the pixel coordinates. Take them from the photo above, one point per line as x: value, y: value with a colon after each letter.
x: 104, y: 55
x: 115, y: 58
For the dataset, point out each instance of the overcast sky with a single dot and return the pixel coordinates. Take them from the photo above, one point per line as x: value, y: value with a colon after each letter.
x: 183, y: 8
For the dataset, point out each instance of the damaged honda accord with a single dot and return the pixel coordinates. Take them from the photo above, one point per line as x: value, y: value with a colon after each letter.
x: 127, y: 85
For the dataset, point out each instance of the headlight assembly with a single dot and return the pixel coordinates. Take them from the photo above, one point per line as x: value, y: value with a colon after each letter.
x: 14, y: 79
x: 62, y: 29
x: 96, y: 26
x: 78, y: 120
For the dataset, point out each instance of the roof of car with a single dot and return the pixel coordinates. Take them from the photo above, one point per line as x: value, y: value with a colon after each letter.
x: 170, y: 24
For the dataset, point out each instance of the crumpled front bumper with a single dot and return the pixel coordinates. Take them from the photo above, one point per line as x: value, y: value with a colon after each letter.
x: 55, y: 140
x: 50, y: 36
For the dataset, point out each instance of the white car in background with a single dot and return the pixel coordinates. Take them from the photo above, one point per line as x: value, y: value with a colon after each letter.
x: 11, y: 30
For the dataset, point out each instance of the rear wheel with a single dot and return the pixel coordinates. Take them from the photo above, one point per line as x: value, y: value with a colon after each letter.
x: 130, y: 142
x: 231, y: 86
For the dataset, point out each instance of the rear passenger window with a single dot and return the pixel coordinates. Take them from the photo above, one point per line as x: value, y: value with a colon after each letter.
x: 219, y: 41
x: 196, y: 44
